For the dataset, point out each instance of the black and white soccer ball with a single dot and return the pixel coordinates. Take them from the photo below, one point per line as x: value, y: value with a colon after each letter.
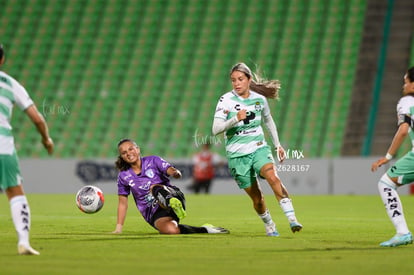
x: 90, y: 199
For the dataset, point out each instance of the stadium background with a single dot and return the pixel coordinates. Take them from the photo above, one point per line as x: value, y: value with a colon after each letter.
x: 153, y: 71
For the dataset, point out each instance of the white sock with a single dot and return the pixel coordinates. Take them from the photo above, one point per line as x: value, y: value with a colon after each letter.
x: 266, y: 217
x: 20, y: 212
x: 392, y: 203
x: 287, y: 207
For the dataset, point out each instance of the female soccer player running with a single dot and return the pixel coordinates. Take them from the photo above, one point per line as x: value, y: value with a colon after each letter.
x: 239, y: 114
x: 402, y: 172
x: 12, y: 93
x: 161, y: 204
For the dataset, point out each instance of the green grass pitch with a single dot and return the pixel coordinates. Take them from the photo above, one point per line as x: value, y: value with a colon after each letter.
x: 341, y: 235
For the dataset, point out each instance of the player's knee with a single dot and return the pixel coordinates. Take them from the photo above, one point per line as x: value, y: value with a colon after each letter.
x: 386, y: 181
x: 170, y: 229
x: 274, y: 182
x: 270, y: 176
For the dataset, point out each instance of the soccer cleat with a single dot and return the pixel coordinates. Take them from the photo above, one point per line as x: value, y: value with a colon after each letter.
x: 271, y: 230
x: 211, y: 229
x: 398, y: 240
x: 295, y: 227
x: 177, y: 207
x: 26, y: 250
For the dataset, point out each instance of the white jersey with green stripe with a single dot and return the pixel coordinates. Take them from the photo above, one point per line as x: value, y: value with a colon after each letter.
x: 405, y: 113
x: 11, y: 93
x: 247, y: 135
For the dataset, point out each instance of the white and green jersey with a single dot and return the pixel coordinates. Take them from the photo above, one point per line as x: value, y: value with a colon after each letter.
x: 405, y: 113
x: 11, y: 92
x: 247, y: 135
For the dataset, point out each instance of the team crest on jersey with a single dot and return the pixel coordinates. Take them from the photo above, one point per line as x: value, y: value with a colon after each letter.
x: 257, y: 106
x: 149, y: 173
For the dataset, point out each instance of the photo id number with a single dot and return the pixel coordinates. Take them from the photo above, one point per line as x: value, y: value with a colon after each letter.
x: 292, y: 167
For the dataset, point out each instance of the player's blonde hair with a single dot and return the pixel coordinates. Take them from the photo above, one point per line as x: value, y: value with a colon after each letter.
x: 267, y: 88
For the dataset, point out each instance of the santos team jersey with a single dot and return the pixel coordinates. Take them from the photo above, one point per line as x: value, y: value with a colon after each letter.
x: 11, y: 92
x: 247, y: 135
x: 405, y: 113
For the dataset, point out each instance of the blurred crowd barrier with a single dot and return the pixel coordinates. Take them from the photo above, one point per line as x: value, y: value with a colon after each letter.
x: 301, y: 176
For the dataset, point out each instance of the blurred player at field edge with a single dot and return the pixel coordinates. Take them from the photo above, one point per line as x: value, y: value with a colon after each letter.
x: 161, y: 204
x: 402, y: 172
x: 239, y: 114
x: 11, y: 93
x: 204, y: 166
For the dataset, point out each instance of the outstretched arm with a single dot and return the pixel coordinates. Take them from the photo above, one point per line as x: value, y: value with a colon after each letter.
x: 122, y: 210
x: 274, y: 136
x: 271, y: 128
x: 398, y: 139
x: 41, y: 126
x: 174, y: 172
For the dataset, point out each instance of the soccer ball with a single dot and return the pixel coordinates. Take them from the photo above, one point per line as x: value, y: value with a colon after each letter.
x: 90, y: 199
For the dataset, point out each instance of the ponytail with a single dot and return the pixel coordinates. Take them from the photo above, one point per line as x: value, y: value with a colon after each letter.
x: 267, y: 88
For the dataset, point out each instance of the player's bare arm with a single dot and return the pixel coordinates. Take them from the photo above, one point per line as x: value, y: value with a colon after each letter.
x: 398, y: 139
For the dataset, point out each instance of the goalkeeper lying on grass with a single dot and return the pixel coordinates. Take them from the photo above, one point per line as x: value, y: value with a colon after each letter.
x: 161, y: 204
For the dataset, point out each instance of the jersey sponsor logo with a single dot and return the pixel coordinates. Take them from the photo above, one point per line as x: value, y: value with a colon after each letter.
x: 145, y: 186
x: 131, y: 183
x: 249, y: 116
x: 247, y: 132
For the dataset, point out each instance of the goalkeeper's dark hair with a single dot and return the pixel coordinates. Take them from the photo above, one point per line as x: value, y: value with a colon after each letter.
x: 410, y: 74
x: 267, y: 88
x: 1, y: 51
x: 121, y: 164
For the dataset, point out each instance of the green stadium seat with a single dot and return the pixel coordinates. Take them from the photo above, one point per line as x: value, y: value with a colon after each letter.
x: 154, y: 70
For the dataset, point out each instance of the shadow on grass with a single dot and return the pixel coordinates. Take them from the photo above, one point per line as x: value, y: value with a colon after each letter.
x: 107, y: 236
x: 328, y: 249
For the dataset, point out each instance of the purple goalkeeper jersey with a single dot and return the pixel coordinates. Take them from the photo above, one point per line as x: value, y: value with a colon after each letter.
x: 153, y: 171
